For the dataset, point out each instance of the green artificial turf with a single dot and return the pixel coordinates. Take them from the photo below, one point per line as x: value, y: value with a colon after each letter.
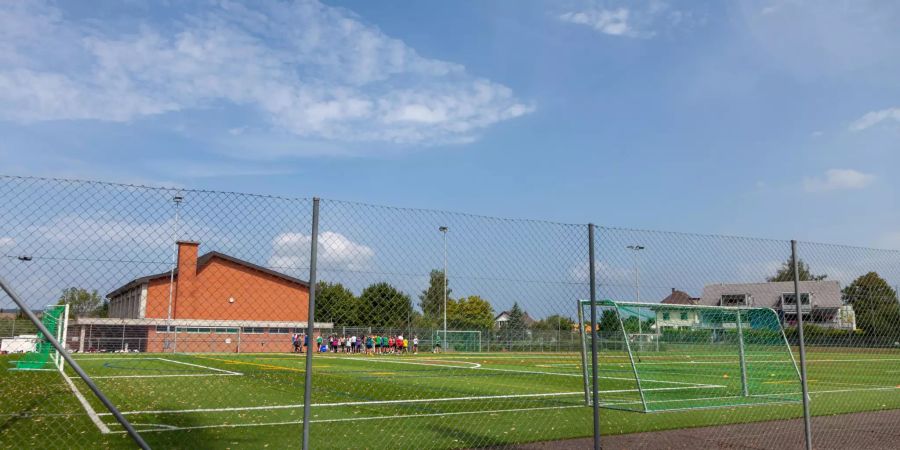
x: 423, y: 401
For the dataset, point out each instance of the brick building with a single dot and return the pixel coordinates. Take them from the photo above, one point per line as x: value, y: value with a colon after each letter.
x: 209, y: 303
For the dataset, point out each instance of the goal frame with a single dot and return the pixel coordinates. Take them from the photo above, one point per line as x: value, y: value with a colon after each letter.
x: 619, y: 305
x: 447, y: 338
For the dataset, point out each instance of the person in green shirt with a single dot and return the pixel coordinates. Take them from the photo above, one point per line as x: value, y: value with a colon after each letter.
x: 437, y: 344
x: 319, y: 343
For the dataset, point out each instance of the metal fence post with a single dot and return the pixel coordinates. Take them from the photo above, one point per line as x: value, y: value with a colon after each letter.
x: 74, y: 365
x: 594, y: 387
x: 807, y: 425
x: 310, y: 321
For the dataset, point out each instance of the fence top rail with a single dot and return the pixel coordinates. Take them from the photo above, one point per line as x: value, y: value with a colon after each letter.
x: 614, y: 303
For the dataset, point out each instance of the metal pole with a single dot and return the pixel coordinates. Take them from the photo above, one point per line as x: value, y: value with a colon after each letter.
x: 807, y: 424
x: 177, y: 199
x: 740, y: 330
x: 594, y: 387
x: 445, y: 343
x: 310, y: 322
x: 74, y: 365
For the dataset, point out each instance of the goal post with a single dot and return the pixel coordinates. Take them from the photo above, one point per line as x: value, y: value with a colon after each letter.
x: 660, y: 357
x: 459, y: 340
x: 55, y: 319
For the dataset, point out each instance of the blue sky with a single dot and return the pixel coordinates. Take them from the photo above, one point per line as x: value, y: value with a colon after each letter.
x: 770, y: 118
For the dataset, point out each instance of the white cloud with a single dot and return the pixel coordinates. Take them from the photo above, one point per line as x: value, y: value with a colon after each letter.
x: 6, y: 242
x: 873, y: 118
x: 639, y: 20
x: 612, y: 22
x: 307, y: 69
x: 335, y: 252
x: 838, y: 179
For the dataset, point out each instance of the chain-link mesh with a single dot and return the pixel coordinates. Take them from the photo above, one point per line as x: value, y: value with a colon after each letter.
x: 189, y: 309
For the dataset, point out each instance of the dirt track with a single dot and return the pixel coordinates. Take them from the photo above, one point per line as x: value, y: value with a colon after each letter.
x: 870, y: 430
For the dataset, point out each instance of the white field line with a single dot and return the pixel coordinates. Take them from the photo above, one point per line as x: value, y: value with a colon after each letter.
x: 780, y: 361
x: 836, y: 391
x: 535, y: 372
x: 106, y: 377
x: 87, y: 406
x: 202, y: 367
x: 476, y: 366
x: 407, y: 401
x: 351, y: 419
x: 363, y: 403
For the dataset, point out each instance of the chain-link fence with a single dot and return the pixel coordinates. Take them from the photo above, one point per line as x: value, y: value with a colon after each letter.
x: 190, y: 311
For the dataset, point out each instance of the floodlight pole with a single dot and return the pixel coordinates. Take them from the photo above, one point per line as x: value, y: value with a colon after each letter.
x: 637, y: 290
x: 444, y: 230
x: 177, y: 200
x: 807, y: 423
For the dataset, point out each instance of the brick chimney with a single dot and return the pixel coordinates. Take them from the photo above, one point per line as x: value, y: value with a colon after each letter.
x: 187, y: 271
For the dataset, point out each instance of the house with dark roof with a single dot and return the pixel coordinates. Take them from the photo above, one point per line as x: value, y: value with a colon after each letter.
x: 821, y: 302
x: 503, y: 318
x: 674, y: 317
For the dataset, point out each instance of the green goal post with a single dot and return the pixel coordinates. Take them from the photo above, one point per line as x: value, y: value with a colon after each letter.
x: 661, y: 357
x: 56, y: 319
x: 458, y: 340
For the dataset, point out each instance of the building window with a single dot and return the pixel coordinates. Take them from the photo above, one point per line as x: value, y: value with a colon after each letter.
x: 225, y: 330
x: 791, y: 298
x: 253, y: 330
x: 734, y: 300
x: 163, y: 329
x: 684, y: 316
x: 665, y: 316
x: 281, y: 330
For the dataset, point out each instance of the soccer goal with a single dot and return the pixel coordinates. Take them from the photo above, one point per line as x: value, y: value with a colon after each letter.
x: 55, y: 318
x: 458, y: 340
x: 658, y: 357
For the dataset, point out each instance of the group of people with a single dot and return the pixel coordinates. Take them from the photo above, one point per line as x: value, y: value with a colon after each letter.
x: 369, y: 345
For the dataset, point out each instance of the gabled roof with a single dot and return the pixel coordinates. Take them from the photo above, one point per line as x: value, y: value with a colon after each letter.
x: 203, y: 261
x: 526, y: 318
x: 823, y: 294
x: 680, y: 298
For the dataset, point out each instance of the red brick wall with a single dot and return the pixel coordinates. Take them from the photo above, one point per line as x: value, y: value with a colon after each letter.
x: 257, y: 295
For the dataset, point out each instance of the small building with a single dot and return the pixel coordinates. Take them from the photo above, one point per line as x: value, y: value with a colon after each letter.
x: 502, y: 318
x: 209, y: 303
x: 674, y: 317
x: 821, y: 302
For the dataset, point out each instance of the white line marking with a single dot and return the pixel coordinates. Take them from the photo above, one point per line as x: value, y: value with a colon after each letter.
x: 373, y: 402
x: 351, y: 419
x: 87, y: 406
x: 166, y: 376
x: 198, y: 365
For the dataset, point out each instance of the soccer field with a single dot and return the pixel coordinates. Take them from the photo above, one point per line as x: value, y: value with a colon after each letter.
x: 411, y: 401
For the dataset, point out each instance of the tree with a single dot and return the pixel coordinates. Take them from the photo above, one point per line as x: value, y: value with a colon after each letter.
x: 515, y: 325
x: 554, y: 322
x: 431, y: 301
x: 382, y: 305
x: 609, y: 323
x: 81, y: 302
x: 875, y: 305
x: 786, y: 272
x: 335, y: 303
x: 470, y: 313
